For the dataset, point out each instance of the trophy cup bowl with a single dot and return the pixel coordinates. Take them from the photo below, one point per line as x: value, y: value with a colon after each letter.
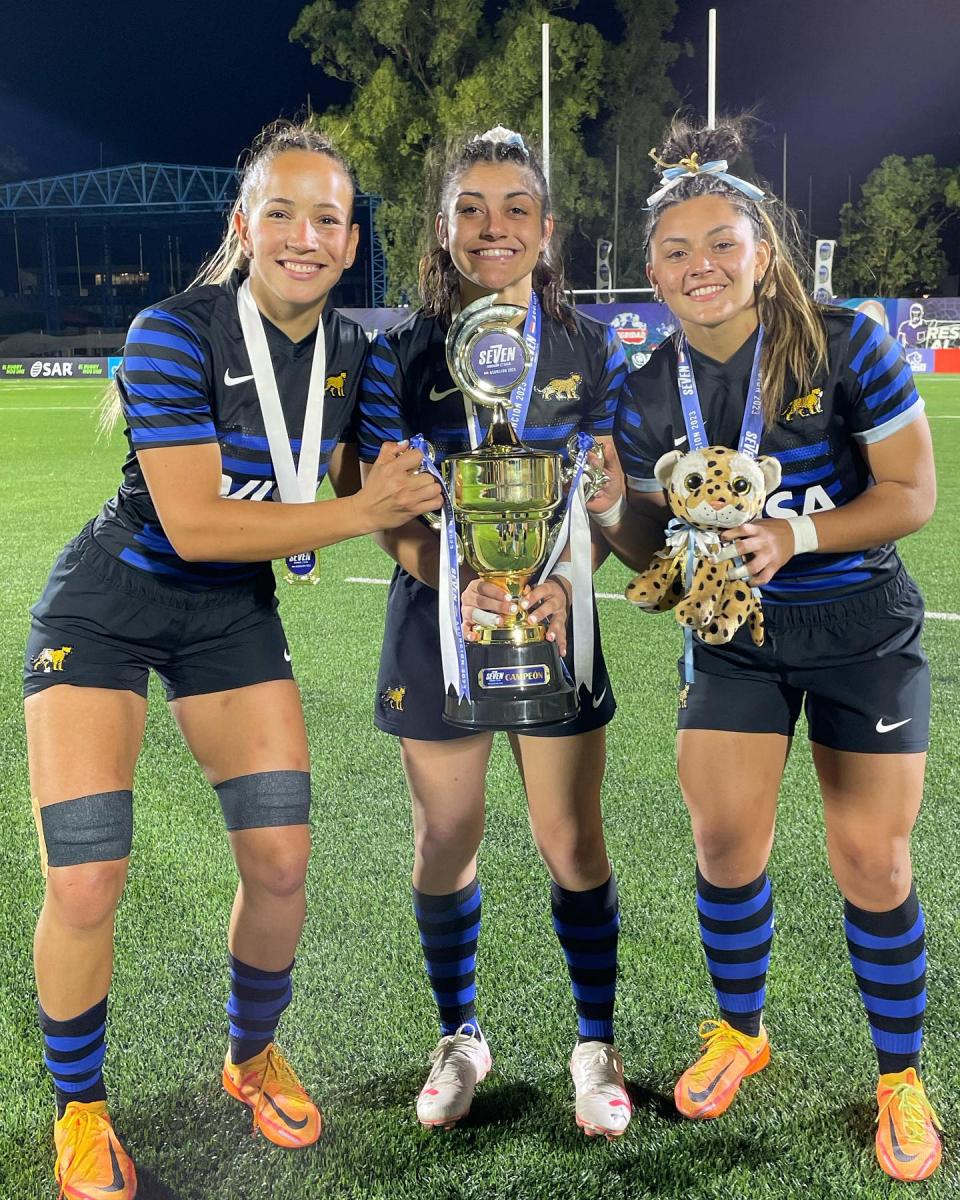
x: 508, y: 503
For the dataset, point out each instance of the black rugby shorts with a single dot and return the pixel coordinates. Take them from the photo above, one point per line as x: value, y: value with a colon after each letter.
x: 856, y: 667
x: 100, y: 623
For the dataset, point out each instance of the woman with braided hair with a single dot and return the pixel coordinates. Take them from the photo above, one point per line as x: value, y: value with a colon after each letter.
x: 757, y: 365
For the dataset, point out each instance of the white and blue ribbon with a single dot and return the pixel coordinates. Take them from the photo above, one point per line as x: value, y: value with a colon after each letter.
x: 752, y: 425
x: 522, y: 394
x: 575, y: 529
x: 690, y: 168
x: 453, y: 650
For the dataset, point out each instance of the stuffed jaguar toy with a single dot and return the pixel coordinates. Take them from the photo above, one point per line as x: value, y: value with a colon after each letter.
x: 708, y: 490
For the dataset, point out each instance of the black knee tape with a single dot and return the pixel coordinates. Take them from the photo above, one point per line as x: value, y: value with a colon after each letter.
x: 89, y: 829
x: 264, y: 800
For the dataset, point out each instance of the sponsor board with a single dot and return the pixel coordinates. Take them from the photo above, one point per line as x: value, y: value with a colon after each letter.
x: 54, y: 368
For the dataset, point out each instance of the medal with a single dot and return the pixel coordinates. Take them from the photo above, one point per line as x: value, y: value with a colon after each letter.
x: 296, y: 484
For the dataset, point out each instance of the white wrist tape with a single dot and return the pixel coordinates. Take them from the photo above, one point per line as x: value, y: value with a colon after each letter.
x: 564, y: 570
x: 805, y: 539
x: 613, y: 515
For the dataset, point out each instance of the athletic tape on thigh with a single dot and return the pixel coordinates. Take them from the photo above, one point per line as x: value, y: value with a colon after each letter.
x: 88, y: 829
x: 267, y: 799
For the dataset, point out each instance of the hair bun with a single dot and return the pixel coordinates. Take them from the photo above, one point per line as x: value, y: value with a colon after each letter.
x: 683, y: 139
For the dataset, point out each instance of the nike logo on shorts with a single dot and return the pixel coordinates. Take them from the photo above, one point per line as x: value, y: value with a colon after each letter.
x: 435, y: 395
x: 598, y: 700
x: 286, y: 656
x: 884, y: 728
x: 233, y: 380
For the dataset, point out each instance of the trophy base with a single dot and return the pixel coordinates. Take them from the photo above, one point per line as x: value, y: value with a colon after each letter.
x: 513, y: 688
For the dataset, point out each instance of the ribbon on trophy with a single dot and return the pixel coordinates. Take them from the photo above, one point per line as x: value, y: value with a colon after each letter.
x: 575, y: 530
x: 751, y: 428
x: 453, y: 651
x: 296, y: 484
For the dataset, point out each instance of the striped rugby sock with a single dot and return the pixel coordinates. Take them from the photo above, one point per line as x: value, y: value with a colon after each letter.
x: 736, y: 928
x: 257, y: 1001
x: 449, y: 928
x: 73, y: 1054
x: 587, y: 925
x: 889, y: 961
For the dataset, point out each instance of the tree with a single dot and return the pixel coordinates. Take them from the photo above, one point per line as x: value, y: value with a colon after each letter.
x: 426, y: 71
x: 891, y: 240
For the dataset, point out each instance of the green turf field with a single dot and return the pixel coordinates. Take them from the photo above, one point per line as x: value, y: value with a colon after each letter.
x: 362, y: 1020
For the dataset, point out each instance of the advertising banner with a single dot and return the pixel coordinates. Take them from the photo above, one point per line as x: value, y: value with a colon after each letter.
x: 54, y: 368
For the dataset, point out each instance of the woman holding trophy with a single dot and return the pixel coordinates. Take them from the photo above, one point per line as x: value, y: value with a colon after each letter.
x: 829, y: 395
x: 493, y: 230
x: 174, y: 574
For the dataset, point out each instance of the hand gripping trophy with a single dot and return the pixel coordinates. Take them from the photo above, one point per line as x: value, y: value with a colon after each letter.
x: 504, y: 514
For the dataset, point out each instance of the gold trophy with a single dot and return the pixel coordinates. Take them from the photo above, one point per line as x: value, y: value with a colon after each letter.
x: 508, y: 505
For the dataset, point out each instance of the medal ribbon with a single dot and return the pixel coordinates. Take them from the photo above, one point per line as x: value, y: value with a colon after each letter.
x: 453, y: 651
x: 575, y: 528
x: 297, y: 485
x: 752, y: 426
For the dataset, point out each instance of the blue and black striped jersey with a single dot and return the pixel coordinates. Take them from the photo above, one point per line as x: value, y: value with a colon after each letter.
x: 407, y: 388
x: 865, y: 393
x: 185, y: 380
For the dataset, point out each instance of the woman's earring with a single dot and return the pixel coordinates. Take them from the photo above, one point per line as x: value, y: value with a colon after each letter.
x: 657, y: 294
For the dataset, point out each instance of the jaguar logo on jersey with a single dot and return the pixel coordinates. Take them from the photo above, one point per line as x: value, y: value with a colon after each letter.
x: 562, y: 389
x: 335, y: 383
x: 804, y: 406
x: 51, y: 660
x: 392, y: 697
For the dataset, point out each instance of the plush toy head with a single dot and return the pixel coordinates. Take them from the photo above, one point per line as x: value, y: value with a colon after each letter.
x: 716, y: 488
x: 708, y: 490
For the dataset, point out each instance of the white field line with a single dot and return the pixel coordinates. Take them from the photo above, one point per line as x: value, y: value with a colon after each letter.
x: 47, y: 408
x: 931, y: 616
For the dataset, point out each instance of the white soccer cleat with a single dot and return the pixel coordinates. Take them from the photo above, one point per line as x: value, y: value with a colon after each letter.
x: 460, y: 1061
x: 603, y: 1106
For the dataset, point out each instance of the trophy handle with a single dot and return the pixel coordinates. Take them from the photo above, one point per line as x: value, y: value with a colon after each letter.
x: 433, y: 520
x: 594, y: 476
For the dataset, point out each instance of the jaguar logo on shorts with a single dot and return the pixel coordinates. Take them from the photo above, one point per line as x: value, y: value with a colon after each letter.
x: 562, y: 389
x: 51, y: 660
x: 392, y: 697
x: 335, y: 383
x: 804, y: 406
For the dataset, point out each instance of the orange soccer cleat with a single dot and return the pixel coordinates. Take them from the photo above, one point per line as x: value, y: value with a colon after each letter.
x: 708, y: 1087
x: 907, y: 1143
x: 91, y: 1163
x: 282, y: 1110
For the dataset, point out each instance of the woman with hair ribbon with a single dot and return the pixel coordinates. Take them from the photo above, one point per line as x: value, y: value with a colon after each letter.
x: 757, y: 365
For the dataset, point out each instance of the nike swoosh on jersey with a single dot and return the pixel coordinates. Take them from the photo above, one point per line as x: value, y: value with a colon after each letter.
x: 710, y: 1088
x: 898, y: 1154
x: 680, y: 440
x: 598, y: 700
x: 284, y: 1117
x: 882, y: 728
x: 233, y: 380
x: 119, y: 1183
x: 435, y: 395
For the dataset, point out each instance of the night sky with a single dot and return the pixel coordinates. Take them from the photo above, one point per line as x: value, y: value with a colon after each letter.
x: 190, y: 81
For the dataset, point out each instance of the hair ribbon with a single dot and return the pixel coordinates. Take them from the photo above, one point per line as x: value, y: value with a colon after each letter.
x: 688, y: 168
